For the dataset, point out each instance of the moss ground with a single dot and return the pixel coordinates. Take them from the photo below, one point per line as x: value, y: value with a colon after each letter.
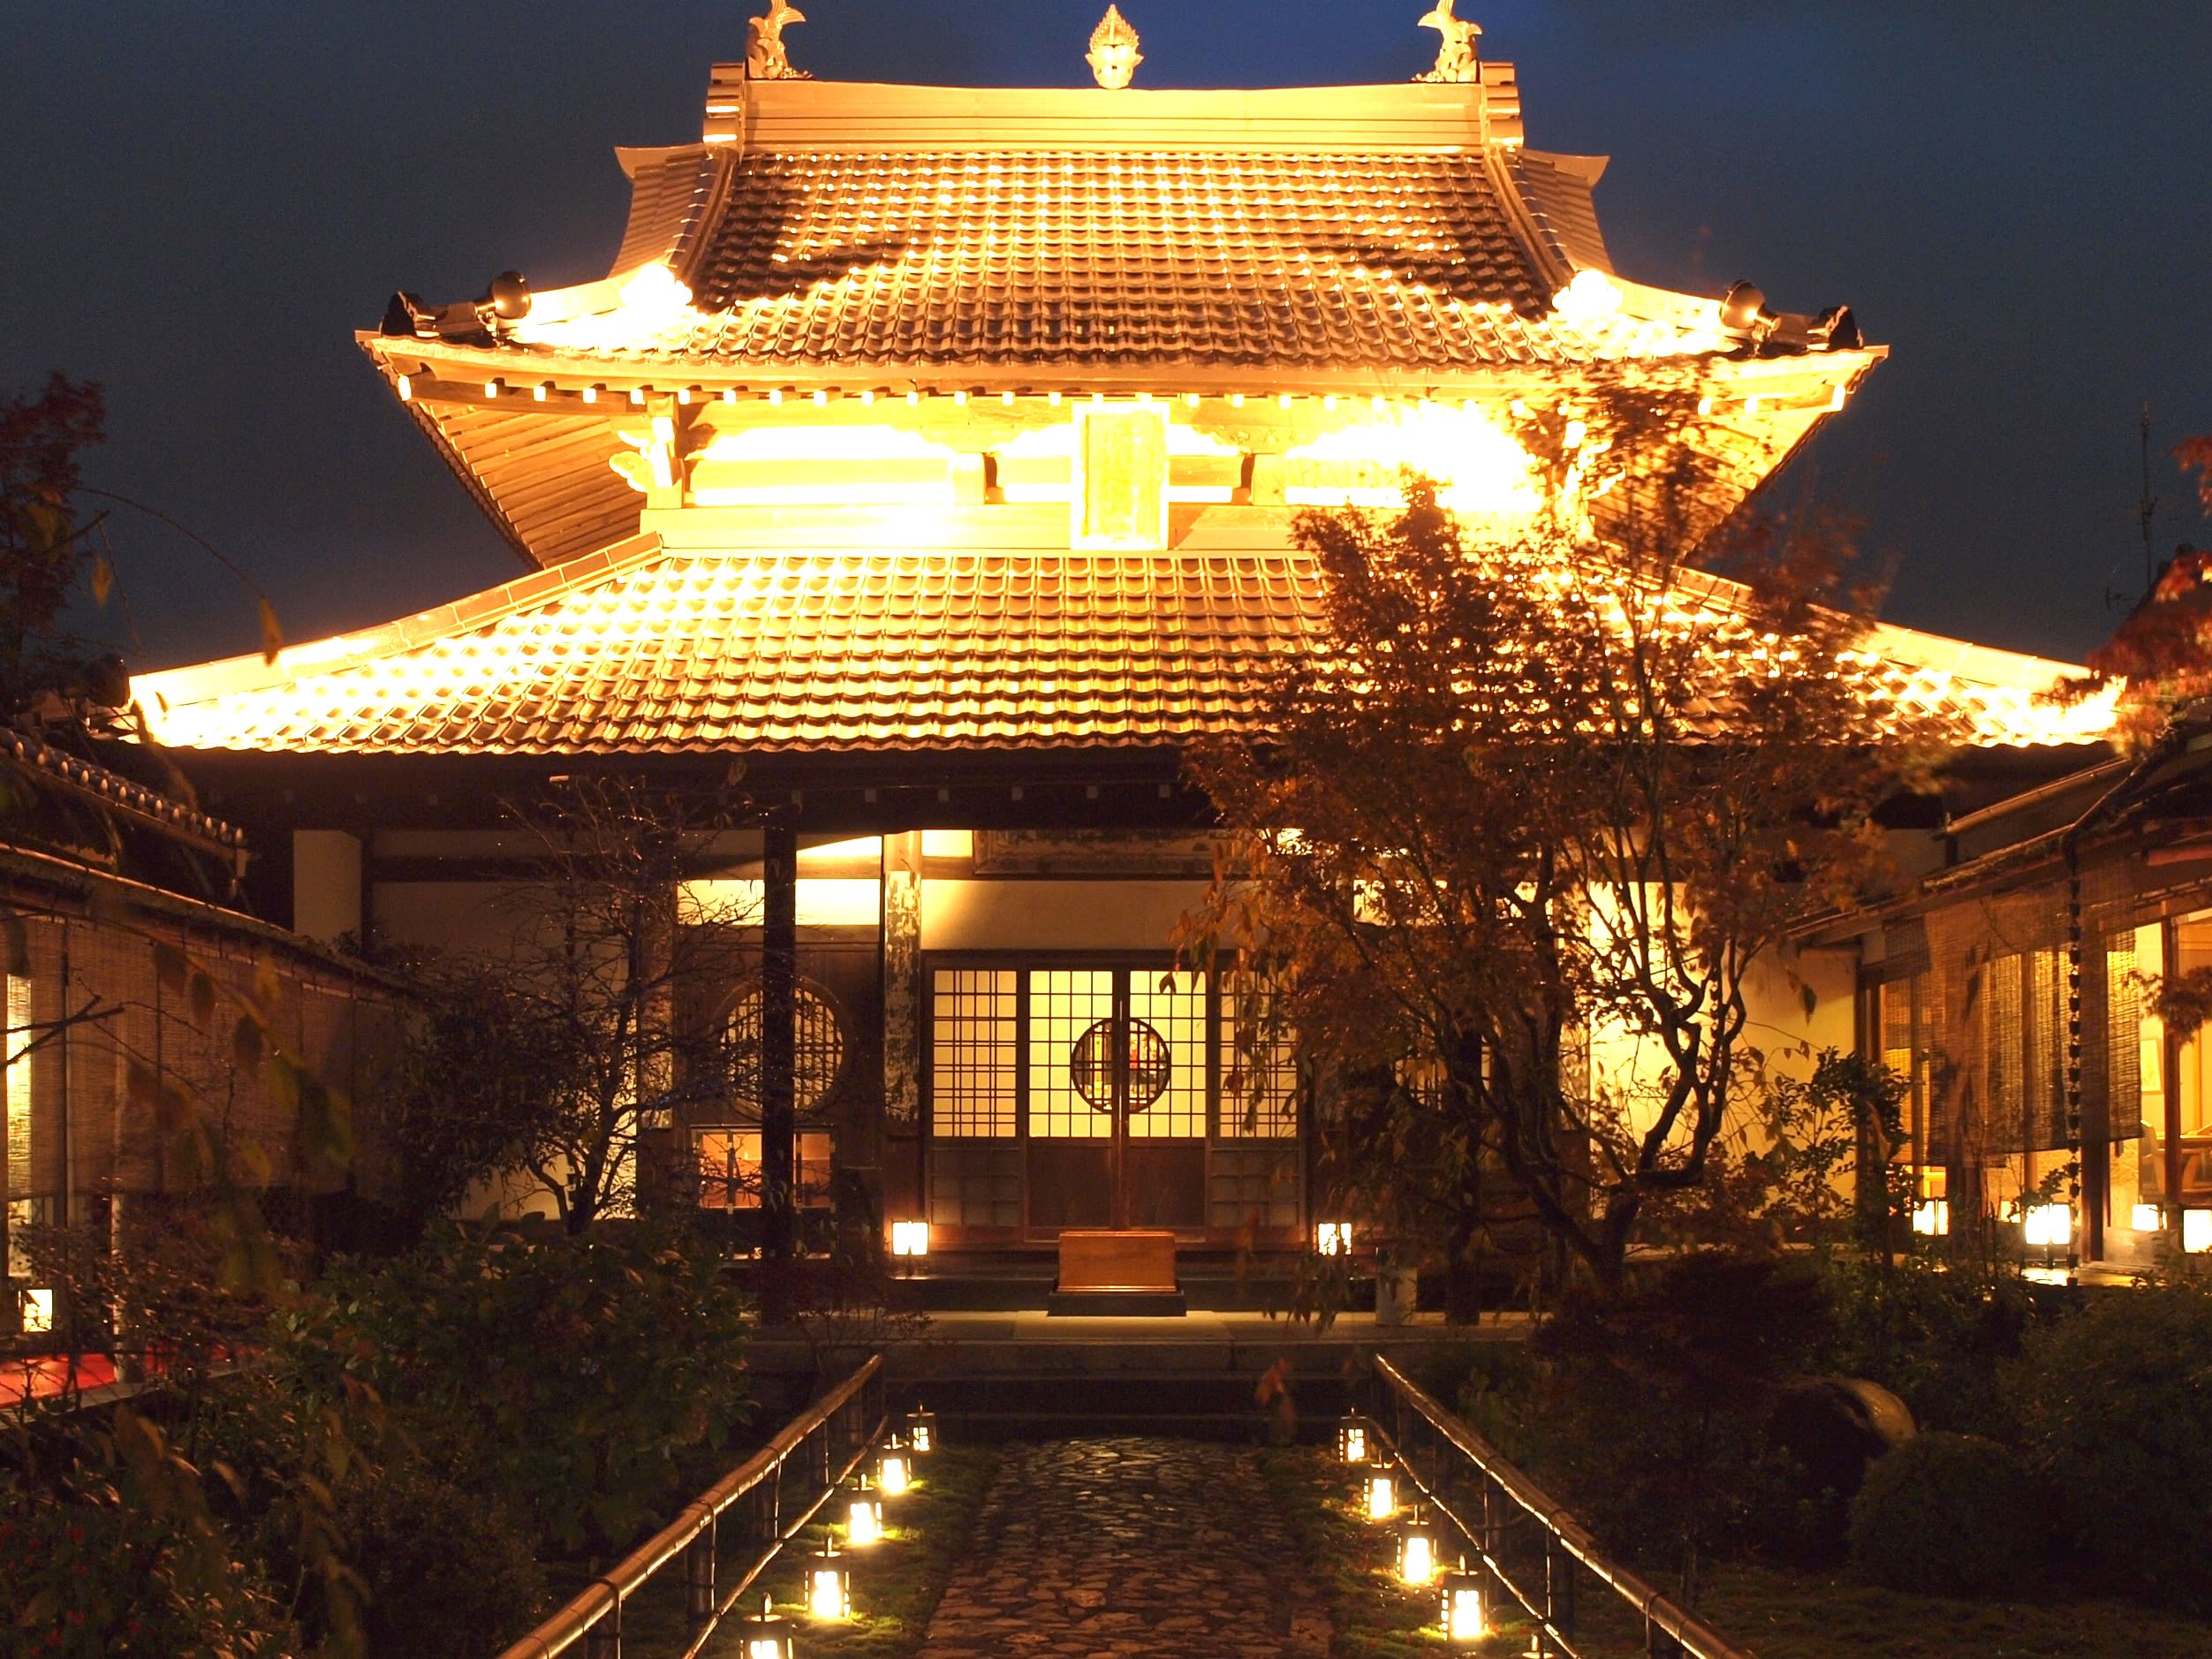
x: 896, y: 1584
x: 1776, y: 1613
x: 1795, y: 1615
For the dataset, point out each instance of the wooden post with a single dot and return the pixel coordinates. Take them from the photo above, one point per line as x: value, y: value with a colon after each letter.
x: 699, y: 1577
x: 779, y: 973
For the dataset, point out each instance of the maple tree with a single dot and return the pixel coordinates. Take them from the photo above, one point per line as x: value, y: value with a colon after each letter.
x: 1509, y: 841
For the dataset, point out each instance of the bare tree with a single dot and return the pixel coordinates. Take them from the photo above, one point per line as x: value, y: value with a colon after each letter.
x: 556, y: 1057
x: 1517, y: 830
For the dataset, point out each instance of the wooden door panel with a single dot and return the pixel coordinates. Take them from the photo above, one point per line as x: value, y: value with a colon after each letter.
x: 1071, y: 1184
x: 1164, y: 1183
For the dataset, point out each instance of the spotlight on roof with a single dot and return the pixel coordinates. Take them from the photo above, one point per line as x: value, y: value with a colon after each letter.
x: 1742, y: 307
x: 509, y: 296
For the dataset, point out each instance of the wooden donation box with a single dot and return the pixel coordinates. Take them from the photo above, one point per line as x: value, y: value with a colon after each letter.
x: 1116, y: 1272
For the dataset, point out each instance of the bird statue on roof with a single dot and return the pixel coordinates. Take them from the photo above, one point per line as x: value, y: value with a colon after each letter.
x: 1113, y: 56
x: 1456, y: 57
x: 764, y: 56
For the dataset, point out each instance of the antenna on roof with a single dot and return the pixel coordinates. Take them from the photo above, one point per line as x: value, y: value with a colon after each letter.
x: 2147, y: 516
x: 2147, y: 506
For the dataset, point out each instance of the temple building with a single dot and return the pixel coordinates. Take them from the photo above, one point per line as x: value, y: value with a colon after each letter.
x: 921, y: 473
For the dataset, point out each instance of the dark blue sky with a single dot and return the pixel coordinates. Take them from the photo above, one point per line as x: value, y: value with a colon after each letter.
x: 201, y: 201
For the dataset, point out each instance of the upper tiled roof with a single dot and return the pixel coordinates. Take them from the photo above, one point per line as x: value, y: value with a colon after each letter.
x: 1393, y: 259
x: 642, y: 650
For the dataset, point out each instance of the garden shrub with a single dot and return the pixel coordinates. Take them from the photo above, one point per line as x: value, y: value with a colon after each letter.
x: 107, y: 1547
x: 1937, y: 1336
x: 2114, y: 1404
x: 439, y: 1564
x: 1650, y: 1408
x: 582, y: 1377
x: 1945, y: 1514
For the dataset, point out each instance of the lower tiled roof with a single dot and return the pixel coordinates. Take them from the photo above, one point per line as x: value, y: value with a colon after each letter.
x: 642, y: 650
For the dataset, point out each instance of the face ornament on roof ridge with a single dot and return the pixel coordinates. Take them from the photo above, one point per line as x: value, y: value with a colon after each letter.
x: 1113, y: 56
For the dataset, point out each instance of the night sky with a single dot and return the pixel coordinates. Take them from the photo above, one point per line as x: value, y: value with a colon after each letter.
x: 200, y: 202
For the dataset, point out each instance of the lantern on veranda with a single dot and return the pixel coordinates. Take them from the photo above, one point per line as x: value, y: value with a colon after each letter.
x: 921, y: 1431
x: 1462, y: 1598
x: 1417, y: 1559
x: 893, y: 1469
x: 1381, y: 1495
x: 864, y: 1516
x: 1352, y: 1439
x: 829, y: 1583
x: 767, y: 1636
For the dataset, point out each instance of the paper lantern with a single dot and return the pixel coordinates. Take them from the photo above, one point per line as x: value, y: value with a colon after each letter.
x: 829, y: 1583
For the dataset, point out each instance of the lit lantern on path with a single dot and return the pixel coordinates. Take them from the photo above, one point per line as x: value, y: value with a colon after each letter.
x: 1332, y: 1239
x: 864, y: 1517
x: 893, y: 1470
x: 1381, y: 1495
x: 829, y: 1583
x: 1462, y: 1624
x: 1352, y: 1440
x: 767, y: 1637
x: 921, y: 1431
x: 1417, y: 1552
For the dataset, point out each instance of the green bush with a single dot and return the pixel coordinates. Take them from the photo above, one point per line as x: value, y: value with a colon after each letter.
x: 2114, y: 1404
x: 107, y: 1548
x: 1937, y: 1335
x: 1945, y: 1515
x: 443, y: 1568
x: 1648, y: 1414
x: 579, y: 1378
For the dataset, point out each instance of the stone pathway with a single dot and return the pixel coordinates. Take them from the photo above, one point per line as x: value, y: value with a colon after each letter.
x: 1129, y: 1547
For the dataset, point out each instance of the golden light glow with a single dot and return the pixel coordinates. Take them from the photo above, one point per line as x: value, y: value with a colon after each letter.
x: 1417, y: 1556
x: 829, y: 1584
x: 1382, y: 1497
x: 1463, y: 1609
x: 1352, y: 1441
x: 2196, y: 1231
x: 910, y: 1237
x: 38, y: 1313
x: 863, y: 1523
x: 1481, y: 472
x: 2147, y: 1218
x: 1332, y: 1239
x: 1931, y: 1217
x: 651, y: 305
x: 892, y: 1473
x: 2048, y: 1226
x: 828, y: 1595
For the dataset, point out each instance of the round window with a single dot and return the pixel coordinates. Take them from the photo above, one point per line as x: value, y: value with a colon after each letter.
x: 1091, y: 1066
x: 817, y: 1057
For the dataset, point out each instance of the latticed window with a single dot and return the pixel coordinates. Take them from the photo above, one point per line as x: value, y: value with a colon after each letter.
x: 1166, y: 1058
x: 1258, y: 1064
x: 818, y: 1050
x: 974, y: 1052
x: 1055, y: 1053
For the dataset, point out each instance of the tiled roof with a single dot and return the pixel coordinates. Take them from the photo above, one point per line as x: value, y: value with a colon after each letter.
x: 644, y: 650
x: 1085, y: 257
x: 1403, y: 260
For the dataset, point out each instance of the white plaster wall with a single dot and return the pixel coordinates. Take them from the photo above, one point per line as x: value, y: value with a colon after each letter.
x: 448, y: 915
x: 1774, y: 998
x: 1054, y: 915
x: 326, y: 883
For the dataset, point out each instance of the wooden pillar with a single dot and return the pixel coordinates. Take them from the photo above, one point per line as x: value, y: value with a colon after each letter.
x: 779, y: 973
x: 902, y: 981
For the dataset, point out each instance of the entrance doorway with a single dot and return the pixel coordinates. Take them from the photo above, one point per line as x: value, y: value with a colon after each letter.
x: 1116, y: 1106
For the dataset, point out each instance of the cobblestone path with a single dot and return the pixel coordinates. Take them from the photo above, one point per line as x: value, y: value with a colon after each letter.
x: 1129, y: 1548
